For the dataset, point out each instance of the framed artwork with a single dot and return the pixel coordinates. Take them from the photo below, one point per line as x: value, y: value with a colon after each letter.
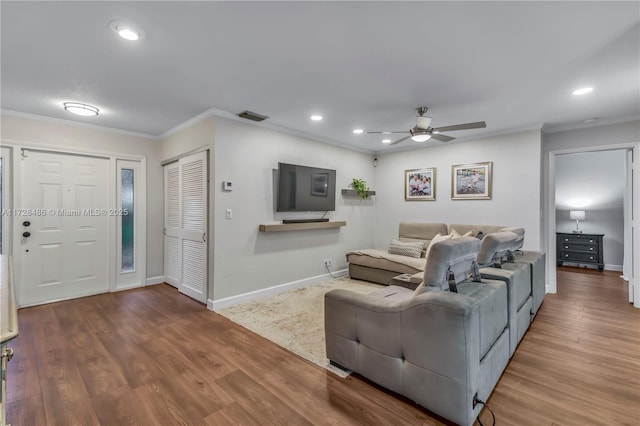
x: 320, y: 184
x: 420, y: 185
x: 471, y: 181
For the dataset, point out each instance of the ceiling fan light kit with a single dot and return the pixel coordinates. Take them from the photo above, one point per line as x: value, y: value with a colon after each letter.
x: 420, y: 137
x: 423, y: 131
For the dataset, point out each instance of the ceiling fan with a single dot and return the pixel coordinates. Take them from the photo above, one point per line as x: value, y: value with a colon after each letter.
x: 423, y: 131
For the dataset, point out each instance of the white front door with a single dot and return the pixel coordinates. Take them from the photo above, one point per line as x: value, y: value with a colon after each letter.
x: 63, y: 219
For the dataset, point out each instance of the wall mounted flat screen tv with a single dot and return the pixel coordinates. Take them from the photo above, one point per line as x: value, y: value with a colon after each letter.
x: 304, y: 189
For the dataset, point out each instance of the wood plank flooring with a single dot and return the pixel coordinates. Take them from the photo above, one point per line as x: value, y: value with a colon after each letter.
x: 154, y: 357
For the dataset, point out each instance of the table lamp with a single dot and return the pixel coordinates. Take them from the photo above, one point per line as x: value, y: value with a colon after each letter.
x: 577, y: 215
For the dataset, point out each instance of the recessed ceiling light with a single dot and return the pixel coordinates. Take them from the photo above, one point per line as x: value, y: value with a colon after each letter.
x: 126, y: 31
x: 358, y: 131
x: 81, y: 109
x: 316, y: 117
x: 386, y: 140
x: 128, y: 34
x: 583, y: 91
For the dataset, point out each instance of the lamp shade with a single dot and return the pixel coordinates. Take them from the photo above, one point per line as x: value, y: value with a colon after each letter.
x: 576, y: 214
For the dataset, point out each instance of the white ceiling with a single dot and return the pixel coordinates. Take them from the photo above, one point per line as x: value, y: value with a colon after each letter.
x: 595, y: 180
x: 359, y: 64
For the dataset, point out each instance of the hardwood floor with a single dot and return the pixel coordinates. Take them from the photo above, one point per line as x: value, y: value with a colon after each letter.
x: 154, y: 357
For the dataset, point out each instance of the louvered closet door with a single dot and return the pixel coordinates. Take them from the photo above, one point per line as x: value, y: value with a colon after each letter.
x: 172, y: 228
x: 193, y: 212
x: 185, y: 221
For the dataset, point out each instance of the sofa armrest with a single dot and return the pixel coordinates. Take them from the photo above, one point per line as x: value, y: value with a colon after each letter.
x: 353, y: 321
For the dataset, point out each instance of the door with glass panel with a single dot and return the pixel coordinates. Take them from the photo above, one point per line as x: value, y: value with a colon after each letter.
x: 64, y: 223
x: 186, y: 224
x: 130, y: 226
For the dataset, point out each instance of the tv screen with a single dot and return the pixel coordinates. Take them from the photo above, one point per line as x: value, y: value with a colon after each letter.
x: 304, y: 189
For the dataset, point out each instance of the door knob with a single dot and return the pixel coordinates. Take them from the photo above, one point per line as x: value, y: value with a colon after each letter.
x: 26, y: 223
x: 26, y: 234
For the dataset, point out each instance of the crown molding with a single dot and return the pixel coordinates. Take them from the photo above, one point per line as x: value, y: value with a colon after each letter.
x: 263, y: 124
x: 72, y: 123
x: 582, y: 125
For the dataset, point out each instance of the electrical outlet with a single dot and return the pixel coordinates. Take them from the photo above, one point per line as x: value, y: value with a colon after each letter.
x: 228, y: 213
x: 475, y: 400
x: 327, y: 262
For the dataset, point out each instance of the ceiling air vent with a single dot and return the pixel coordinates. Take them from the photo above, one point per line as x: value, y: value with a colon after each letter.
x: 252, y: 116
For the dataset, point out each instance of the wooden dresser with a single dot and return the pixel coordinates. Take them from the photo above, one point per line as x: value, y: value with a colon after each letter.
x: 580, y: 248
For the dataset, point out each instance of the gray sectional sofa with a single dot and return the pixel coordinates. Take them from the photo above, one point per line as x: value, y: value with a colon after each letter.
x: 439, y: 348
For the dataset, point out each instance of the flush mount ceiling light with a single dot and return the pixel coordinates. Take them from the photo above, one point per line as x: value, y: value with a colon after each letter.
x: 316, y: 117
x: 126, y: 31
x: 583, y: 91
x: 81, y: 109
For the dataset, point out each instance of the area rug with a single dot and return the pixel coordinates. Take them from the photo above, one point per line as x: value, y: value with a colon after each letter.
x: 295, y: 319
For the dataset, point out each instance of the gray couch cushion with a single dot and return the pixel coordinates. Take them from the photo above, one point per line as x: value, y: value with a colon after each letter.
x: 492, y: 296
x: 456, y: 255
x: 495, y: 246
x: 519, y: 232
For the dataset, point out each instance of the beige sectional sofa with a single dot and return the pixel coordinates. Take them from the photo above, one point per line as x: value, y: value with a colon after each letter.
x: 379, y: 266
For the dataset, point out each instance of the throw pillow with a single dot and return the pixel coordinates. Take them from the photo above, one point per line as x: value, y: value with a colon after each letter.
x: 455, y: 234
x: 436, y: 240
x: 405, y: 248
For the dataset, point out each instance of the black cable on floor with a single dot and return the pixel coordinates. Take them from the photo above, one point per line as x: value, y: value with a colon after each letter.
x: 492, y: 415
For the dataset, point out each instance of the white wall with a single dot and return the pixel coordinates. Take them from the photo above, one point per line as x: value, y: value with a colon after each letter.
x: 247, y: 260
x: 57, y: 133
x: 515, y: 195
x: 194, y: 135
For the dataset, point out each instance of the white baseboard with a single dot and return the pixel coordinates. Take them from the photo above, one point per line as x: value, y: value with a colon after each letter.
x: 155, y: 280
x: 214, y: 305
x: 127, y: 287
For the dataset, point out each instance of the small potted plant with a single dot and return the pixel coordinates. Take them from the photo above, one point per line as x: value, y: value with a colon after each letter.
x: 360, y: 186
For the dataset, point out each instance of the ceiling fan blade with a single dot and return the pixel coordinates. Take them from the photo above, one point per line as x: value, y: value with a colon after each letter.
x: 466, y: 126
x: 400, y: 140
x: 441, y: 137
x: 403, y: 131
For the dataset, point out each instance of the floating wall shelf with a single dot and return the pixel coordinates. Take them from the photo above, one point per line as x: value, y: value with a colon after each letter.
x: 278, y: 227
x: 352, y: 192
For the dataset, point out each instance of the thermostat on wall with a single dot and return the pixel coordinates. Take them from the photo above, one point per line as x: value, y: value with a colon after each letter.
x: 226, y: 185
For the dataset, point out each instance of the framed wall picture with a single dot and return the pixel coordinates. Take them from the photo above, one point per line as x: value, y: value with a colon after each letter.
x: 420, y: 185
x: 471, y: 181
